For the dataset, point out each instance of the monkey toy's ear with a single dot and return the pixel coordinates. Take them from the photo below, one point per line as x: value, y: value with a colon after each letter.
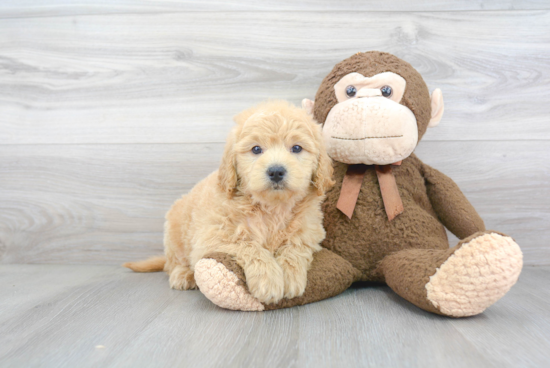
x: 437, y: 108
x: 307, y: 105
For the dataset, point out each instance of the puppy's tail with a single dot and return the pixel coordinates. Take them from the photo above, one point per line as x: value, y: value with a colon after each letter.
x: 153, y: 264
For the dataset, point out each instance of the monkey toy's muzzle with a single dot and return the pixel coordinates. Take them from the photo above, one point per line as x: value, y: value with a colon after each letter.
x: 370, y: 130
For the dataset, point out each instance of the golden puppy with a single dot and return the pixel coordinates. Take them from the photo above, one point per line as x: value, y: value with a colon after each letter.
x: 262, y: 206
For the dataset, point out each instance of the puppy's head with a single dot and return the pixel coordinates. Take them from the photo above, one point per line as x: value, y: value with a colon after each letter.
x: 275, y: 152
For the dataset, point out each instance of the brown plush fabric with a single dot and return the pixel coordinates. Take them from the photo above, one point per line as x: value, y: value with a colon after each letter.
x: 408, y: 271
x: 329, y: 276
x: 405, y: 252
x: 448, y: 201
x: 416, y: 240
x: 416, y: 97
x: 368, y: 237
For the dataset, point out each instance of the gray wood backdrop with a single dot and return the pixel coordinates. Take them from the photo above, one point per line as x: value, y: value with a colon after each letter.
x: 111, y: 109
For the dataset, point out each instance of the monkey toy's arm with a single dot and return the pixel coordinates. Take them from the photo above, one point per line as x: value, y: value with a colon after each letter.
x: 452, y: 208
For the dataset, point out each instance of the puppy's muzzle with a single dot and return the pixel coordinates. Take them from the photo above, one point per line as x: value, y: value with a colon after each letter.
x: 276, y: 173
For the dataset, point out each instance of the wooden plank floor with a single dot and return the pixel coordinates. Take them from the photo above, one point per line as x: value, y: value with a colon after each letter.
x: 57, y: 316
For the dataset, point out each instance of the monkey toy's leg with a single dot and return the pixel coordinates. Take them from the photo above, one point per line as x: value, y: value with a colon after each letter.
x: 222, y: 281
x: 458, y: 282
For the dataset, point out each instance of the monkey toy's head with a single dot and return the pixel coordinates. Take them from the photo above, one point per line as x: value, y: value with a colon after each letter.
x: 374, y: 108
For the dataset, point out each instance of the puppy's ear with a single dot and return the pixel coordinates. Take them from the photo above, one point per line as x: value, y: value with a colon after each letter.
x: 227, y: 173
x: 322, y: 176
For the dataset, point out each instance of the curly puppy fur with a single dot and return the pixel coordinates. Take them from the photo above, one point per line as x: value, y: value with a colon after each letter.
x: 270, y: 229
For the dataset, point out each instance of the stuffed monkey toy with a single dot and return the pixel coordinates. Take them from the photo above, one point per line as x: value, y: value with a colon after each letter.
x: 385, y: 218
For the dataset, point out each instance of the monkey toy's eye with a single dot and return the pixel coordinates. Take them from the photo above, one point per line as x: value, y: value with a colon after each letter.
x: 351, y: 91
x: 386, y: 91
x: 296, y: 149
x: 256, y: 150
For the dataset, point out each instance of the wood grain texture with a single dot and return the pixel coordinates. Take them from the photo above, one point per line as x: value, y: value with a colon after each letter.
x: 531, y: 315
x: 37, y: 8
x: 109, y: 111
x: 179, y: 77
x: 106, y: 203
x: 141, y: 322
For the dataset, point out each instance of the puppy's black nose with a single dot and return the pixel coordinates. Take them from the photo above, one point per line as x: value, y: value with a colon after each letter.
x: 276, y: 173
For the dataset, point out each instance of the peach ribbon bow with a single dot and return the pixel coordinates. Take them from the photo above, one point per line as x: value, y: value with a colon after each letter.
x: 351, y: 186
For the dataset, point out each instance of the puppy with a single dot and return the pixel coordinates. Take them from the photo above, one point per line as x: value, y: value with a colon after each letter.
x: 262, y: 207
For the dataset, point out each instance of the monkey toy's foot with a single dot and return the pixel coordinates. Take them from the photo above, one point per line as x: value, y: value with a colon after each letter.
x: 476, y: 275
x: 222, y: 281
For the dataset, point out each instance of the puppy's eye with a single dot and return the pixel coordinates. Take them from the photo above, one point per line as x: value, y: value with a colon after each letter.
x: 386, y: 91
x: 296, y: 149
x: 257, y: 150
x: 351, y: 91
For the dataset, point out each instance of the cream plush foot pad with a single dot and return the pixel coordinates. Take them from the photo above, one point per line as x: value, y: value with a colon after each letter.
x: 222, y: 287
x: 476, y: 275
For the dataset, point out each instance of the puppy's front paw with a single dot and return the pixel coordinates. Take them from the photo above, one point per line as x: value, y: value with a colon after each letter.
x: 265, y: 281
x: 295, y: 279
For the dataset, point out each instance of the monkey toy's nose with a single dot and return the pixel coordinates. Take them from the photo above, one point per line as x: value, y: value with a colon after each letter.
x: 276, y: 173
